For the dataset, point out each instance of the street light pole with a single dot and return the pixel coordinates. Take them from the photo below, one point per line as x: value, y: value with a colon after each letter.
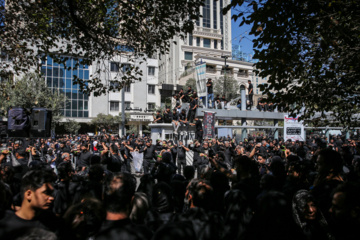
x: 225, y: 57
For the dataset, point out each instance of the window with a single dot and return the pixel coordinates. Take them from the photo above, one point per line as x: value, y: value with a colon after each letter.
x: 60, y: 80
x: 215, y: 12
x: 198, y: 41
x: 126, y: 67
x: 127, y: 105
x: 114, y: 106
x: 114, y: 84
x: 206, y: 14
x: 114, y: 67
x: 151, y: 106
x: 188, y: 56
x: 151, y: 71
x: 190, y: 39
x: 151, y: 89
x: 257, y: 79
x: 207, y: 42
x: 215, y: 44
x: 127, y: 88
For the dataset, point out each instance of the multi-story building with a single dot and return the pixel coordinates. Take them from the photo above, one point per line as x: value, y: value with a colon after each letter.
x: 210, y: 42
x: 141, y: 97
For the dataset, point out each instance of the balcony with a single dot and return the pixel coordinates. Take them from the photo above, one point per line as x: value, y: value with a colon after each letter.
x: 207, y: 33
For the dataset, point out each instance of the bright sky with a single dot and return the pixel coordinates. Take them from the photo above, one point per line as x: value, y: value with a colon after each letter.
x: 240, y: 35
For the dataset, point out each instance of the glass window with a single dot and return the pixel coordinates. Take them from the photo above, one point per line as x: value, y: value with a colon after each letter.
x: 85, y: 105
x: 151, y: 89
x: 127, y: 105
x: 74, y: 114
x: 188, y: 56
x: 198, y: 41
x: 86, y: 114
x: 151, y: 106
x: 114, y: 67
x: 215, y: 12
x: 151, y: 71
x: 206, y: 14
x: 207, y: 42
x: 114, y: 106
x: 80, y: 113
x: 215, y: 44
x: 127, y: 88
x: 190, y: 39
x: 126, y: 67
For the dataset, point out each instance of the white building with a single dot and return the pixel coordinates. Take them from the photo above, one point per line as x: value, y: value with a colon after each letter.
x: 210, y: 42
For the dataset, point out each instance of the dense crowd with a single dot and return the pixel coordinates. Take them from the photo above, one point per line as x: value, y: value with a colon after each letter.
x: 82, y: 187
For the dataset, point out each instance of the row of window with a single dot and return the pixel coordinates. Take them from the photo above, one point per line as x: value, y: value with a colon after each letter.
x: 115, y: 106
x: 151, y: 87
x: 116, y: 66
x: 206, y: 42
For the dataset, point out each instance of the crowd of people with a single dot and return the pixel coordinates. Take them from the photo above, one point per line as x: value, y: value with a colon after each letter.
x: 82, y: 187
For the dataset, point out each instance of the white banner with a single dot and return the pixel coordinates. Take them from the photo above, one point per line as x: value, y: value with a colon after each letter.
x: 293, y: 129
x: 201, y: 79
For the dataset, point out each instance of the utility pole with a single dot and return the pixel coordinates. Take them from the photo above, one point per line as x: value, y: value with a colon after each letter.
x: 225, y: 57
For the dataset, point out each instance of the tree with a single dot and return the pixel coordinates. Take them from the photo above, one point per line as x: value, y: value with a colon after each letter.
x: 310, y: 51
x: 94, y: 30
x: 109, y: 122
x: 227, y: 86
x: 191, y: 82
x: 71, y: 126
x: 31, y: 91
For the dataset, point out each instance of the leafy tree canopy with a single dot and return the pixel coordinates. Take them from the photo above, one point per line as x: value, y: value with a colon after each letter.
x: 191, y: 82
x: 310, y: 51
x: 227, y: 86
x: 71, y: 126
x: 31, y: 91
x: 109, y: 122
x: 94, y: 30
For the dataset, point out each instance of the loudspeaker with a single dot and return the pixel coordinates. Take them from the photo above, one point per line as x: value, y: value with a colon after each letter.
x: 40, y: 122
x: 18, y: 122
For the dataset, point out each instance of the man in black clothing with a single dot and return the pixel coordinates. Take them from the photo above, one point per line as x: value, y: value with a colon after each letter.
x: 217, y: 101
x: 37, y: 198
x: 251, y: 93
x: 117, y: 202
x: 223, y: 102
x: 177, y: 103
x: 188, y: 93
x: 210, y: 92
x: 84, y: 158
x: 167, y: 115
x: 149, y: 156
x: 198, y: 129
x: 112, y: 160
x: 182, y: 96
x: 192, y: 109
x: 181, y: 156
x: 158, y: 118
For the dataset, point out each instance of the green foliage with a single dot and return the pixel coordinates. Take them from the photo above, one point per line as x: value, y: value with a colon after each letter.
x: 310, y: 50
x: 31, y: 91
x: 191, y: 82
x: 71, y: 126
x: 227, y: 86
x: 132, y: 130
x: 109, y: 122
x: 96, y: 30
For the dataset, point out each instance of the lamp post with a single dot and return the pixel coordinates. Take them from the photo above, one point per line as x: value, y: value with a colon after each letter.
x: 225, y: 57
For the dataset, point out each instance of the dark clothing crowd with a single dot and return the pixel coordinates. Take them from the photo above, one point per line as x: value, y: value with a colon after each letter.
x: 82, y: 187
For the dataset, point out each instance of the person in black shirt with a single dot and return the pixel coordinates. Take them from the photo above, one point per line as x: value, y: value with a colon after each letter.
x: 210, y: 92
x: 181, y: 156
x: 198, y: 129
x: 251, y: 93
x: 223, y: 102
x: 158, y: 118
x: 238, y: 104
x: 112, y: 160
x: 182, y: 96
x: 188, y: 94
x: 192, y: 110
x: 167, y: 115
x: 37, y: 198
x: 84, y: 158
x: 149, y: 156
